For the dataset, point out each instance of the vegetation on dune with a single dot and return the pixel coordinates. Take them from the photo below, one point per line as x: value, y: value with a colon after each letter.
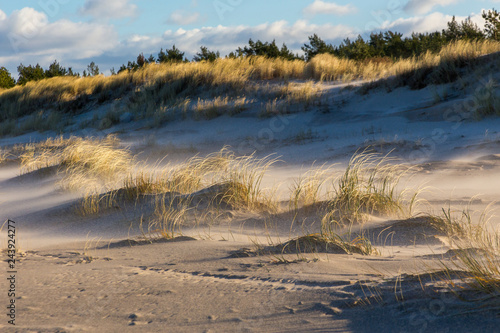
x: 200, y: 188
x: 107, y: 175
x: 157, y: 90
x: 475, y: 248
x: 368, y: 186
x: 84, y: 163
x: 166, y: 87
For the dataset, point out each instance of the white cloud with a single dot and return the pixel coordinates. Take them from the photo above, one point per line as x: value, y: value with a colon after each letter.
x: 182, y: 17
x: 228, y: 38
x: 324, y: 7
x: 430, y: 23
x: 108, y: 9
x: 424, y: 6
x: 27, y: 36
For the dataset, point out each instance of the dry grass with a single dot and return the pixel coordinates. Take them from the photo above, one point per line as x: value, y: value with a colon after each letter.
x: 317, y: 243
x: 220, y: 179
x: 417, y: 71
x: 476, y: 247
x: 368, y: 186
x: 84, y: 163
x: 306, y: 190
x: 486, y: 99
x: 164, y: 86
x: 223, y: 180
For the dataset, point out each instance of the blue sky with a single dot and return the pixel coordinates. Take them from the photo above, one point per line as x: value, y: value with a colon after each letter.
x: 114, y: 31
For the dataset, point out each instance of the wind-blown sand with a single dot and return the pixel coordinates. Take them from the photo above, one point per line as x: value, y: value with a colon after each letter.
x: 90, y: 274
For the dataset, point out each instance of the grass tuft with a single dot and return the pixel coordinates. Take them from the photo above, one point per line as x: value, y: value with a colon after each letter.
x: 476, y: 248
x: 369, y: 185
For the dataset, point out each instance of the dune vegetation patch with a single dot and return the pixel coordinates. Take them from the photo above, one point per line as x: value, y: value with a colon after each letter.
x: 475, y: 247
x: 203, y: 187
x: 84, y: 163
x: 161, y: 92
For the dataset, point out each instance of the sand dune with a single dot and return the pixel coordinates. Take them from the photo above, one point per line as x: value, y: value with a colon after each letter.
x: 264, y: 269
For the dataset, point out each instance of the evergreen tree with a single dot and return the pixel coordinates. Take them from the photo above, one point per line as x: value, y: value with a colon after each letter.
x: 141, y: 60
x: 29, y: 73
x: 151, y: 59
x: 492, y: 24
x: 55, y: 69
x: 316, y: 46
x: 206, y: 55
x: 172, y: 55
x: 6, y: 81
x: 92, y: 70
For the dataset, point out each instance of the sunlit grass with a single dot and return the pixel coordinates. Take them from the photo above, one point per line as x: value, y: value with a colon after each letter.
x: 475, y: 245
x: 368, y: 186
x: 159, y: 87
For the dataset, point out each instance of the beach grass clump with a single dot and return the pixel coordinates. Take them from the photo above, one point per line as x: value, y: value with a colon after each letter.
x: 316, y: 243
x: 368, y: 186
x: 312, y: 244
x: 168, y: 218
x: 221, y: 179
x: 244, y: 179
x: 486, y: 99
x: 476, y: 247
x: 306, y: 190
x: 83, y: 162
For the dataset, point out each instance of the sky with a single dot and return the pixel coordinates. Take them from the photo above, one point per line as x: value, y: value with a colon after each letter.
x: 112, y: 32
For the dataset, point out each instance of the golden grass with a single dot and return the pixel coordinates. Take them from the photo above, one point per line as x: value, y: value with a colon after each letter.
x: 476, y: 247
x: 84, y: 163
x: 223, y: 178
x: 306, y: 190
x: 158, y: 86
x: 328, y: 67
x: 369, y: 185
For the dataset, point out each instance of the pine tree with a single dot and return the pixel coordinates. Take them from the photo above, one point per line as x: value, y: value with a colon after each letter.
x: 29, y: 73
x: 206, y: 55
x: 6, y: 81
x: 492, y: 25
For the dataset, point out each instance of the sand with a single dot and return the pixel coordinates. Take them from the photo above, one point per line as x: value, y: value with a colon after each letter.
x: 91, y: 274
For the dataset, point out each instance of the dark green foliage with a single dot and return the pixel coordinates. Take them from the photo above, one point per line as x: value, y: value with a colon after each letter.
x: 172, y: 55
x: 92, y: 70
x: 269, y: 50
x: 316, y: 46
x: 492, y: 25
x: 206, y: 55
x: 392, y: 44
x: 71, y: 73
x: 29, y: 73
x: 55, y: 69
x: 141, y: 60
x: 139, y: 63
x: 465, y: 30
x: 6, y: 81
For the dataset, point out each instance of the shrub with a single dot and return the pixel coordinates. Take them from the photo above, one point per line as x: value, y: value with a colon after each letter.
x: 6, y: 81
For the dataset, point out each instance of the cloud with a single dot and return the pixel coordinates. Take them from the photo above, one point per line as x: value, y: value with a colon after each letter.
x: 228, y: 38
x: 181, y: 17
x: 424, y: 6
x: 27, y: 36
x: 108, y: 9
x: 324, y: 7
x: 430, y: 23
